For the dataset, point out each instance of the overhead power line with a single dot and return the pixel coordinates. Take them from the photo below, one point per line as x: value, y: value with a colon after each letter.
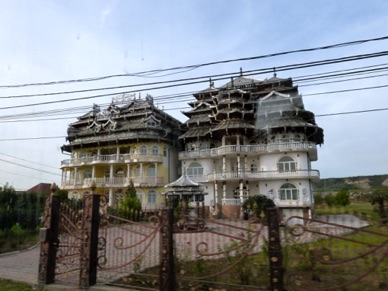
x: 196, y: 80
x: 147, y: 73
x: 39, y: 170
x: 28, y: 161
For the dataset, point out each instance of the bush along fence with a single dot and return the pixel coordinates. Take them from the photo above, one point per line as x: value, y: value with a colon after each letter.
x: 84, y: 244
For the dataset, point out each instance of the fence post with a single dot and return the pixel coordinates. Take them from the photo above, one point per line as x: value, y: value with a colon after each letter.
x: 89, y: 244
x: 48, y: 236
x: 274, y: 250
x: 167, y: 273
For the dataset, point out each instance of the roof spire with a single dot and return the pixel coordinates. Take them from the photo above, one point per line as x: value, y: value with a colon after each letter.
x: 274, y: 72
x: 211, y: 83
x: 241, y: 72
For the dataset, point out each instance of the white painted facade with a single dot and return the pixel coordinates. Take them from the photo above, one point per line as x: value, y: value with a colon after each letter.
x: 238, y: 163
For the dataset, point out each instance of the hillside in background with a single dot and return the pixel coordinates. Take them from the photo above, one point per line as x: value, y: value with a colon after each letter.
x: 362, y: 183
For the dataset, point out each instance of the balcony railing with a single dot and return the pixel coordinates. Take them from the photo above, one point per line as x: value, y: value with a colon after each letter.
x: 231, y: 201
x: 264, y: 175
x: 114, y: 182
x: 251, y: 149
x: 106, y: 159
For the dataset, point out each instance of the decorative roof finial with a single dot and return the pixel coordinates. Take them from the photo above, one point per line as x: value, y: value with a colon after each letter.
x: 241, y: 72
x: 211, y: 83
x: 274, y: 72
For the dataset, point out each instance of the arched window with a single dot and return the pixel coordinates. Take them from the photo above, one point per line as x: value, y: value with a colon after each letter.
x: 107, y: 174
x: 195, y: 169
x: 120, y: 173
x: 136, y: 171
x: 297, y: 138
x: 288, y: 191
x: 151, y: 196
x: 143, y: 149
x: 253, y: 168
x: 119, y: 196
x: 151, y: 171
x: 193, y: 147
x: 139, y: 195
x: 83, y: 155
x: 202, y: 146
x: 74, y: 195
x: 286, y: 164
x: 155, y: 150
x: 285, y: 138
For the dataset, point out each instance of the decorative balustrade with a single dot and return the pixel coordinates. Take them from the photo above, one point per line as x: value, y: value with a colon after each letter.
x: 264, y: 175
x: 122, y: 158
x: 231, y: 201
x: 114, y: 182
x: 251, y: 149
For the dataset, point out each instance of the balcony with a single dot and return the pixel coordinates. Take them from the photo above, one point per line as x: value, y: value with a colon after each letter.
x: 231, y: 201
x: 109, y: 159
x: 117, y: 182
x: 251, y: 150
x: 265, y: 175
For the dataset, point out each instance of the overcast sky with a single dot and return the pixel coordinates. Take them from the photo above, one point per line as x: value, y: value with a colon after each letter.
x: 53, y: 41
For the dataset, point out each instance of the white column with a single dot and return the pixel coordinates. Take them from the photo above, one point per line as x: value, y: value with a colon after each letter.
x: 93, y: 171
x: 223, y: 164
x: 111, y: 174
x: 75, y: 176
x: 241, y: 190
x: 215, y: 195
x: 111, y: 197
x: 224, y: 190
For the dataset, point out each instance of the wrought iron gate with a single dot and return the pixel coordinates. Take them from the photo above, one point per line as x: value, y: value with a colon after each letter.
x: 87, y: 242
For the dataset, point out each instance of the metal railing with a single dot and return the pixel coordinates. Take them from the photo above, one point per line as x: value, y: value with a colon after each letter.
x: 250, y: 149
x: 121, y: 158
x: 114, y: 182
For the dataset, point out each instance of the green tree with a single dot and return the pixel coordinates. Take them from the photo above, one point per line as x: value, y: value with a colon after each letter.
x: 318, y: 198
x: 379, y: 197
x: 342, y: 198
x: 258, y: 204
x: 329, y: 199
x: 8, y: 200
x: 131, y: 207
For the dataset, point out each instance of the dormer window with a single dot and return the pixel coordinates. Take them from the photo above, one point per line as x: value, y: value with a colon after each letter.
x: 151, y: 123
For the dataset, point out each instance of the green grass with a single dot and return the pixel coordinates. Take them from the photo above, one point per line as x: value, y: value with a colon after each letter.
x: 335, y: 270
x: 8, y: 285
x: 16, y: 244
x: 361, y: 209
x: 301, y: 261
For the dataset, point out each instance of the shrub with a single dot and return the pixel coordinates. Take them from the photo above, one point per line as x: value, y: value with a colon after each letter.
x: 319, y: 199
x: 258, y: 204
x: 342, y: 198
x: 329, y: 199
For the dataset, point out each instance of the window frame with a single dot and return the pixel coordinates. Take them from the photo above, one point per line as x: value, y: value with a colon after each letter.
x: 288, y: 192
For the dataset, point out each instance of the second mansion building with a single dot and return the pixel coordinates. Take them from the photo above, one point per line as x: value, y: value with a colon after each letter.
x: 245, y: 138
